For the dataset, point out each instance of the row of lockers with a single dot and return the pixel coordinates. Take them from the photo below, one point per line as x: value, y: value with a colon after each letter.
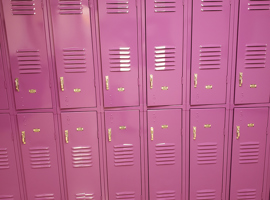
x: 30, y: 63
x: 37, y: 137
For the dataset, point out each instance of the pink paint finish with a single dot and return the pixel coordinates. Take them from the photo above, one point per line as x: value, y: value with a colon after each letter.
x: 210, y: 39
x: 164, y: 153
x: 123, y: 154
x: 119, y: 52
x: 73, y: 52
x: 81, y: 155
x: 39, y: 155
x: 164, y: 37
x: 248, y: 152
x: 253, y: 54
x: 206, y: 153
x: 9, y: 186
x: 28, y: 53
x: 3, y: 89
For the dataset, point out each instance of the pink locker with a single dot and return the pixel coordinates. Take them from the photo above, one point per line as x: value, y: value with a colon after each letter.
x: 3, y: 89
x: 252, y: 74
x: 164, y: 35
x: 119, y: 49
x: 39, y: 154
x: 9, y: 186
x: 123, y: 154
x: 210, y: 40
x: 206, y: 153
x: 164, y: 154
x: 79, y: 130
x: 73, y: 53
x: 28, y: 53
x: 248, y: 153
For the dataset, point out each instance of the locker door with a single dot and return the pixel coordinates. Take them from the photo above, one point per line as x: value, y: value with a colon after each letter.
x: 9, y: 186
x: 119, y: 52
x: 164, y: 37
x: 73, y: 52
x: 81, y: 155
x: 252, y: 74
x: 248, y: 153
x: 28, y: 53
x: 209, y: 51
x: 3, y: 90
x: 164, y: 143
x: 206, y: 153
x: 39, y: 155
x: 123, y: 154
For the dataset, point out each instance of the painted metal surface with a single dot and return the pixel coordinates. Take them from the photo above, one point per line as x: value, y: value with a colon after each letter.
x: 39, y: 155
x: 119, y: 52
x: 210, y: 38
x: 248, y: 152
x: 24, y: 22
x: 79, y: 132
x: 73, y: 53
x: 9, y: 186
x: 164, y: 42
x: 206, y: 153
x: 123, y: 154
x: 3, y: 88
x: 252, y: 74
x: 164, y: 154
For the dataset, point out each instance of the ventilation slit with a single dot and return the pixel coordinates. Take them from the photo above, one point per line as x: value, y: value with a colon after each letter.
x: 211, y: 5
x: 246, y: 194
x: 169, y: 194
x: 164, y: 58
x: 74, y: 60
x: 23, y: 7
x: 40, y: 157
x: 117, y: 7
x: 206, y: 194
x: 255, y: 55
x: 125, y: 195
x: 44, y: 196
x: 120, y: 59
x: 4, y: 164
x: 206, y: 153
x: 249, y: 152
x: 210, y: 57
x: 70, y: 7
x: 82, y: 156
x: 163, y: 6
x: 123, y: 155
x: 165, y: 154
x: 29, y: 61
x: 259, y: 5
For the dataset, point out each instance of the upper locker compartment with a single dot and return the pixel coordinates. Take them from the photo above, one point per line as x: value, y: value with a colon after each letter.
x: 164, y: 34
x: 28, y: 53
x: 210, y: 38
x: 3, y: 89
x: 118, y: 38
x: 73, y: 53
x: 253, y: 69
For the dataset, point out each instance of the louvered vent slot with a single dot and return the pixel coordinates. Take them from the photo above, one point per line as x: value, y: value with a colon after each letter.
x: 249, y: 152
x: 44, y: 196
x: 207, y: 153
x: 255, y: 55
x: 117, y: 7
x: 125, y: 195
x: 259, y: 5
x: 40, y: 157
x: 206, y: 194
x: 120, y: 59
x: 161, y: 195
x: 4, y: 164
x: 23, y: 7
x: 74, y: 60
x: 84, y: 196
x: 6, y: 197
x: 82, y: 156
x: 165, y: 154
x: 123, y: 155
x: 163, y: 6
x: 29, y: 61
x: 70, y: 7
x: 246, y: 194
x: 211, y: 5
x: 210, y: 57
x: 164, y: 58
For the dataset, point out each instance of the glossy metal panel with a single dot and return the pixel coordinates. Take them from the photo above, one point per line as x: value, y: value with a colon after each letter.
x: 3, y: 89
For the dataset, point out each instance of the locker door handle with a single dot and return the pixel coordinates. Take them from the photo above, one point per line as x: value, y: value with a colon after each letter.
x: 17, y: 84
x: 240, y: 79
x: 62, y: 83
x: 23, y: 137
x: 152, y: 133
x: 110, y: 134
x: 194, y: 132
x: 237, y: 132
x: 195, y: 80
x: 66, y: 136
x: 151, y: 81
x: 107, y: 82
